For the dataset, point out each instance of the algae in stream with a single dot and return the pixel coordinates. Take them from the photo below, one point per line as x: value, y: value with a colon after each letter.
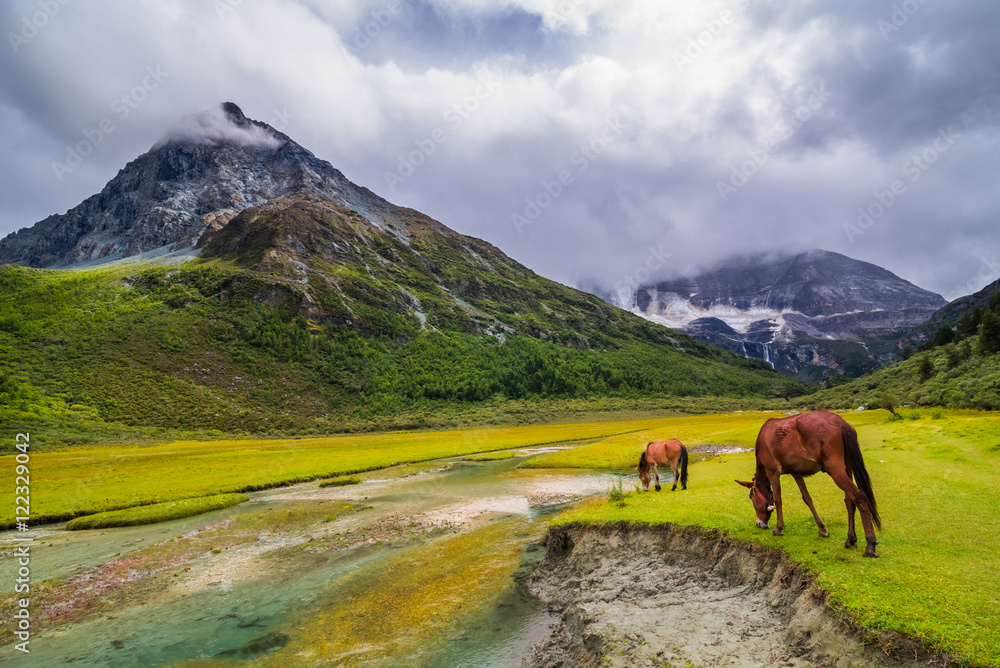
x: 415, y: 601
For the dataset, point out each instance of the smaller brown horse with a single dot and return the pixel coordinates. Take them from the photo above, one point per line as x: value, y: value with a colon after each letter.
x: 670, y: 452
x: 805, y: 444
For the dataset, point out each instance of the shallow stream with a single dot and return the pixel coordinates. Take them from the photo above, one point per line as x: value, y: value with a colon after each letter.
x: 419, y: 571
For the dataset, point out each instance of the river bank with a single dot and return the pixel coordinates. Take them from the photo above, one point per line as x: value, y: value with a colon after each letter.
x: 632, y: 595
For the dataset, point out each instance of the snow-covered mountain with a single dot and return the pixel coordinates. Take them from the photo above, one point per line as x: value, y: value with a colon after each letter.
x: 808, y: 314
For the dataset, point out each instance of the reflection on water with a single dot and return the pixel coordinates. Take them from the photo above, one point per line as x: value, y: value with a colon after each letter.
x: 425, y: 575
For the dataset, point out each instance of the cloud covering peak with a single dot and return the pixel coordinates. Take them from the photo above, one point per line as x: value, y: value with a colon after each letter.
x: 223, y: 123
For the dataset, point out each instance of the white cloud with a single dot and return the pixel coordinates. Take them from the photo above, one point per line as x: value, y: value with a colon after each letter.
x: 214, y: 125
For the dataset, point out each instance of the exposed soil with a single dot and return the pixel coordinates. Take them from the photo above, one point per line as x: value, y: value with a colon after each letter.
x: 686, y: 597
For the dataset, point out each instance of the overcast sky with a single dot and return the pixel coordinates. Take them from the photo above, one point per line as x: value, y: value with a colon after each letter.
x: 694, y: 130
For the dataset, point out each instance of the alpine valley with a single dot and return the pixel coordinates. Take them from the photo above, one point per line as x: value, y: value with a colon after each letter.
x: 230, y: 280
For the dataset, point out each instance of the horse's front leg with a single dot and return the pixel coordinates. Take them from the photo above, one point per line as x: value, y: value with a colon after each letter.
x: 775, y: 479
x: 809, y: 502
x: 656, y: 473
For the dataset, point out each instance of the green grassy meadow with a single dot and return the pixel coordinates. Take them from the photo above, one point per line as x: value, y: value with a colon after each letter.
x: 935, y: 483
x: 75, y: 482
x: 933, y: 476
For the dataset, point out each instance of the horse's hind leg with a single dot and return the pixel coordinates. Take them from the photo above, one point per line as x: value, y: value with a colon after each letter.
x: 673, y: 467
x: 852, y: 536
x: 855, y: 497
x: 656, y: 473
x: 809, y: 502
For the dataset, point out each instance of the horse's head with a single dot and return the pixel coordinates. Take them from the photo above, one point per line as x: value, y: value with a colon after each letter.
x: 763, y: 503
x: 643, y: 469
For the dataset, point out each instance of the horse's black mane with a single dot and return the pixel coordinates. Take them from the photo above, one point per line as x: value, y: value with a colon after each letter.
x: 763, y: 482
x: 642, y: 462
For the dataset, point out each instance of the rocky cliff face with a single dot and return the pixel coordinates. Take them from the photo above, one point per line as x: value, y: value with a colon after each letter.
x: 808, y: 314
x: 193, y: 182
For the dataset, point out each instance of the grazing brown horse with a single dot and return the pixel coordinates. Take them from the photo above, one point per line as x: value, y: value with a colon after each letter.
x: 670, y: 452
x: 805, y: 444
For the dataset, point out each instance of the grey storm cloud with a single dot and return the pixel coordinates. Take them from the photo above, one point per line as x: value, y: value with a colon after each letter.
x: 866, y: 128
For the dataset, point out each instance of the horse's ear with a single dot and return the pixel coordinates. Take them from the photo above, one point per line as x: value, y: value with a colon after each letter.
x: 745, y: 483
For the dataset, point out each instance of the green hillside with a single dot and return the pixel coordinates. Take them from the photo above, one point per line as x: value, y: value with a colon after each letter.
x: 962, y: 317
x: 964, y: 373
x: 298, y: 318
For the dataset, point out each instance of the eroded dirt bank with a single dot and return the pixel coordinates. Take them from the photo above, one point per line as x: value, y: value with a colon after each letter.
x: 684, y: 597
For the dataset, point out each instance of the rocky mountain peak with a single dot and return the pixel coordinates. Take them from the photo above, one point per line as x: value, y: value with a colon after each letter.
x: 235, y: 115
x: 206, y: 170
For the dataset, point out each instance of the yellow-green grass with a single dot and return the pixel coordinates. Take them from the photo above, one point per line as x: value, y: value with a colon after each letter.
x: 621, y: 451
x: 935, y: 482
x: 340, y: 482
x: 404, y: 471
x: 157, y: 512
x: 77, y: 482
x: 490, y: 456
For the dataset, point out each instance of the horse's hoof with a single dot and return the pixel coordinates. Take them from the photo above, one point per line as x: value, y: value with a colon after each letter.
x: 871, y: 554
x: 657, y: 488
x: 849, y: 544
x: 684, y: 488
x: 823, y: 533
x: 673, y: 489
x: 777, y: 532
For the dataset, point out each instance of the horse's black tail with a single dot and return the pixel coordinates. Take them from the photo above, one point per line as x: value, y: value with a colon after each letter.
x: 684, y: 467
x: 856, y: 466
